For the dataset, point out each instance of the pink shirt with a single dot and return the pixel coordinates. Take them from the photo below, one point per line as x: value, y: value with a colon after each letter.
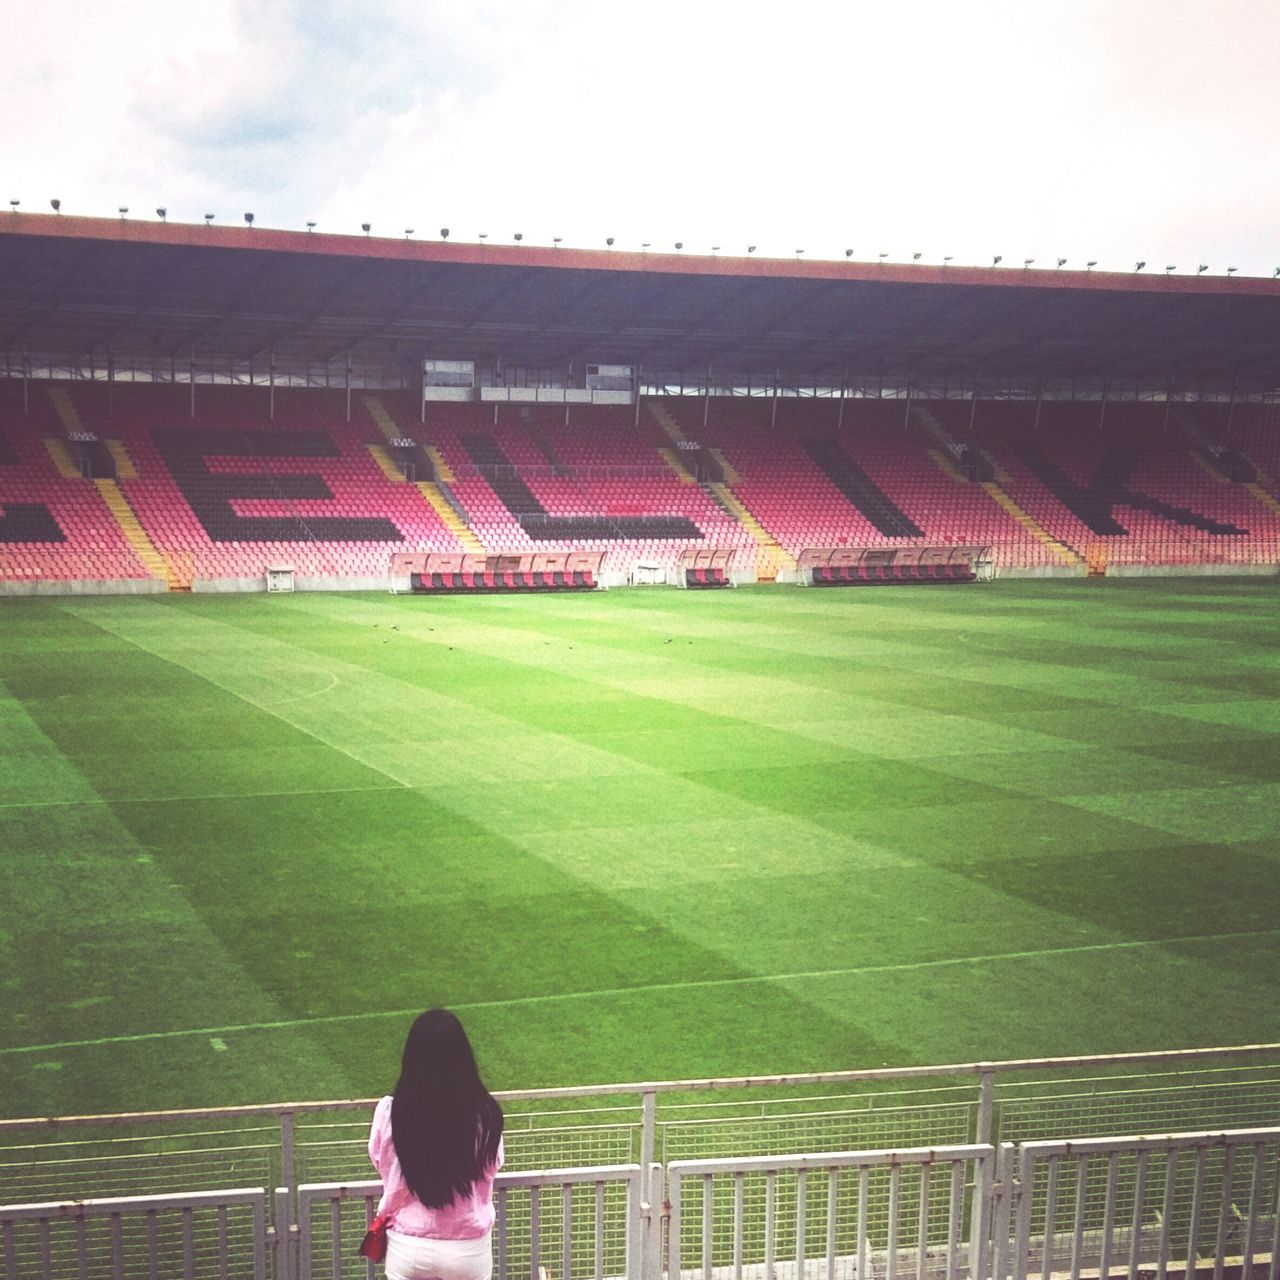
x: 466, y: 1218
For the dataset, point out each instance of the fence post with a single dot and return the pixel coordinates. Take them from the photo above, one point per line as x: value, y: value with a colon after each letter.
x: 649, y: 1210
x: 285, y: 1243
x: 984, y: 1174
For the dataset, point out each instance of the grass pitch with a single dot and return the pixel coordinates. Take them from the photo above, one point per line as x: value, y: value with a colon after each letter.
x: 630, y: 835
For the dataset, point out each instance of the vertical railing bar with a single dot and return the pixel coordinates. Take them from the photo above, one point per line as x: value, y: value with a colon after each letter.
x: 335, y: 1237
x: 501, y: 1224
x: 739, y: 1207
x: 597, y: 1253
x: 117, y: 1247
x: 1197, y: 1207
x: 46, y: 1258
x: 1273, y: 1271
x: 1251, y: 1213
x: 224, y: 1253
x: 1002, y: 1224
x: 1228, y: 1176
x: 1166, y: 1214
x: 1050, y: 1219
x: 864, y: 1190
x: 674, y: 1191
x: 802, y: 1185
x: 770, y: 1224
x: 1082, y: 1204
x: 955, y: 1211
x: 1135, y: 1223
x: 370, y: 1212
x: 833, y: 1182
x: 566, y: 1230
x: 82, y: 1247
x: 707, y: 1223
x: 891, y: 1262
x: 260, y: 1238
x: 153, y: 1268
x: 188, y: 1245
x: 1108, y: 1215
x: 1026, y: 1176
x: 922, y: 1224
x: 535, y: 1232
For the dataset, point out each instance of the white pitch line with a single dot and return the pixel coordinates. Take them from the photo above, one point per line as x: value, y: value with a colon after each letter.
x: 556, y: 997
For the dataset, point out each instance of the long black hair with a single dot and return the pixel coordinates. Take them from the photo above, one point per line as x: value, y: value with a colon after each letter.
x: 445, y: 1125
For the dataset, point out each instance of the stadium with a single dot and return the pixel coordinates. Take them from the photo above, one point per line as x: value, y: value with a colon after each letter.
x: 838, y: 695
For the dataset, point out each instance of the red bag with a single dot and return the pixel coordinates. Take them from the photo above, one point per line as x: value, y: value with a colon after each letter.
x: 374, y: 1244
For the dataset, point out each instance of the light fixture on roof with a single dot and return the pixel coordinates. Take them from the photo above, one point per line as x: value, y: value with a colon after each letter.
x: 997, y: 259
x: 848, y: 253
x: 1232, y: 270
x: 1276, y: 273
x: 444, y: 233
x: 645, y: 246
x: 679, y: 245
x: 1062, y: 262
x: 366, y: 227
x: 519, y: 235
x: 311, y: 226
x: 56, y: 205
x: 1171, y: 267
x: 13, y: 204
x: 608, y: 240
x: 1202, y: 268
x: 883, y: 254
x: 555, y: 241
x: 799, y: 252
x: 715, y: 248
x: 1137, y: 266
x: 124, y: 208
x: 208, y: 218
x: 163, y: 214
x: 1026, y: 262
x: 947, y: 258
x: 248, y: 218
x: 915, y: 257
x: 751, y: 248
x: 408, y: 231
x: 1089, y: 266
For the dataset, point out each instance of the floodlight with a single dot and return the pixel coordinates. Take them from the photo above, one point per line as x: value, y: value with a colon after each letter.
x: 555, y: 241
x: 751, y: 248
x: 679, y: 244
x: 1202, y: 268
x: 248, y: 217
x: 208, y: 218
x: 1026, y: 262
x: 1275, y: 273
x: 408, y: 231
x: 608, y: 241
x: 915, y: 257
x: 848, y: 253
x: 366, y: 227
x: 1093, y: 262
x: 1139, y: 265
x: 444, y: 233
x: 1062, y: 262
x: 947, y: 258
x: 484, y: 235
x: 13, y: 204
x: 163, y: 214
x: 646, y: 244
x: 56, y: 205
x: 799, y: 252
x: 1170, y: 267
x: 311, y: 226
x: 1232, y: 270
x: 519, y: 235
x: 715, y: 248
x: 997, y: 260
x: 883, y: 254
x: 124, y: 208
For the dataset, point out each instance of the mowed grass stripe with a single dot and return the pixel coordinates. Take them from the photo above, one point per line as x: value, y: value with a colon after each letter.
x: 95, y: 936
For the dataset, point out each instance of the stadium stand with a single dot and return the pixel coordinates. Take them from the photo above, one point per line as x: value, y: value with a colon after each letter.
x: 103, y: 484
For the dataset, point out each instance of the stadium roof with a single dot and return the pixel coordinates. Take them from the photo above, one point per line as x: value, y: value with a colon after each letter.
x: 81, y: 286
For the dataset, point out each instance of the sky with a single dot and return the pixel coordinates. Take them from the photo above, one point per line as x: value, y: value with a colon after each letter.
x: 1113, y: 130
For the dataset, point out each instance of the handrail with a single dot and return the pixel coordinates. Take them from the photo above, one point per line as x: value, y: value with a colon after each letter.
x: 978, y: 1069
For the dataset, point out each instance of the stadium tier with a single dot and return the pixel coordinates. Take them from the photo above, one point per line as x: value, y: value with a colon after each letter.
x: 122, y: 483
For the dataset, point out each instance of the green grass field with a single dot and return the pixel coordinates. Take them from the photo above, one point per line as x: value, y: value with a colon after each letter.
x: 632, y: 835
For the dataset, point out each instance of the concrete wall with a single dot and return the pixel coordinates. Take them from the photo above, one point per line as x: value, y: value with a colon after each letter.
x: 85, y: 587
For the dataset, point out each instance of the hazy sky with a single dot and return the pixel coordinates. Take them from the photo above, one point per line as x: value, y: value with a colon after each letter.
x: 1107, y: 129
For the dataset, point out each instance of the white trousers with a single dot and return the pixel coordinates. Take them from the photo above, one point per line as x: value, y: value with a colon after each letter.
x: 422, y: 1258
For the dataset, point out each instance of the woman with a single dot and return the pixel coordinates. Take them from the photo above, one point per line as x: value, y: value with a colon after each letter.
x: 437, y: 1144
